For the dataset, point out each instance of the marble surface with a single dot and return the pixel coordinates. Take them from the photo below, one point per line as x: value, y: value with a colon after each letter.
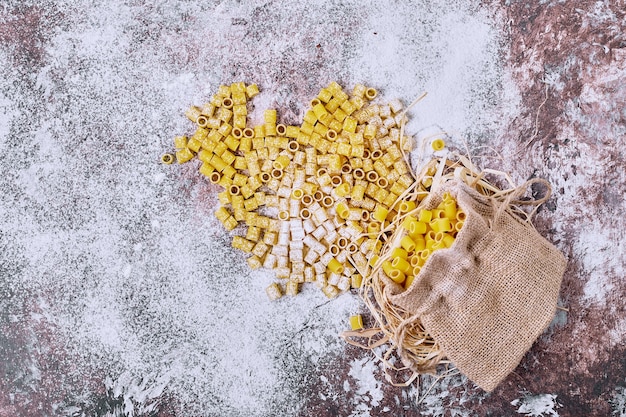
x: 119, y: 292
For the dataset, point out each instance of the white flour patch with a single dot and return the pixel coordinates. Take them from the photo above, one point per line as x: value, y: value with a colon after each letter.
x: 618, y: 402
x: 368, y: 390
x: 442, y: 397
x: 451, y: 54
x: 593, y: 239
x: 7, y: 113
x: 541, y: 405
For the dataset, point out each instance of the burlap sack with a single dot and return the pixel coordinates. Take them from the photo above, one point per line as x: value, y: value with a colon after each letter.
x: 487, y: 298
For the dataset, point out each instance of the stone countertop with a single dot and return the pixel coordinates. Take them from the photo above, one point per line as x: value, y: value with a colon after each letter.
x: 119, y: 292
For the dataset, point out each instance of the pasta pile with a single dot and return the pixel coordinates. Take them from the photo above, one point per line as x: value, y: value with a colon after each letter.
x: 312, y: 199
x: 423, y: 232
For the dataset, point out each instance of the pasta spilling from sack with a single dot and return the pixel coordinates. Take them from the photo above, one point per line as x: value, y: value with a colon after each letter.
x: 480, y: 301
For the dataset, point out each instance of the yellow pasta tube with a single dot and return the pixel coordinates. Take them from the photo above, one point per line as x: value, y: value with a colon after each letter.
x: 342, y: 211
x: 180, y: 142
x: 167, y: 158
x: 390, y: 199
x: 254, y: 262
x: 408, y: 244
x: 224, y: 197
x: 356, y: 322
x: 446, y: 238
x: 194, y: 144
x: 381, y: 195
x: 258, y: 143
x: 192, y: 113
x: 260, y: 249
x: 246, y: 191
x: 420, y: 242
x: 348, y: 107
x: 223, y: 91
x: 405, y: 180
x: 397, y: 276
x: 450, y: 209
x: 240, y: 110
x: 245, y: 144
x: 238, y: 98
x: 425, y: 216
x: 224, y: 114
x: 253, y: 234
x: 254, y: 182
x: 369, y: 132
x: 327, y: 201
x: 232, y: 143
x: 292, y: 145
x: 441, y: 225
x: 335, y: 180
x: 344, y: 149
x: 184, y: 155
x: 438, y: 144
x: 343, y: 190
x: 349, y: 124
x: 320, y: 111
x: 401, y: 264
x: 270, y: 129
x: 208, y: 109
x: 371, y: 93
x: 224, y: 181
x: 309, y: 118
x: 324, y: 95
x: 270, y: 116
x: 335, y: 266
x: 399, y: 252
x: 309, y: 188
x: 281, y: 162
x: 227, y: 157
x: 222, y: 214
x: 292, y: 132
x: 230, y: 223
x: 322, y: 130
x: 409, y: 280
x: 417, y: 228
x: 334, y: 164
x: 240, y: 180
x: 330, y: 291
x: 252, y: 90
x: 408, y: 220
x: 406, y: 206
x: 380, y: 213
x: 250, y: 204
x: 220, y: 148
x: 292, y: 286
x: 225, y: 129
x: 234, y: 190
x: 356, y: 280
x: 218, y: 163
x: 242, y: 243
x: 274, y: 291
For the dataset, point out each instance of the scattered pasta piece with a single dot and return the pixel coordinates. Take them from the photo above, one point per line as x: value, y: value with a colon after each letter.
x: 356, y: 322
x: 438, y: 145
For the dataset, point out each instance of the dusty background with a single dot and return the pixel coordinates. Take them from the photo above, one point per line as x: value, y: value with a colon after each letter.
x: 119, y: 294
